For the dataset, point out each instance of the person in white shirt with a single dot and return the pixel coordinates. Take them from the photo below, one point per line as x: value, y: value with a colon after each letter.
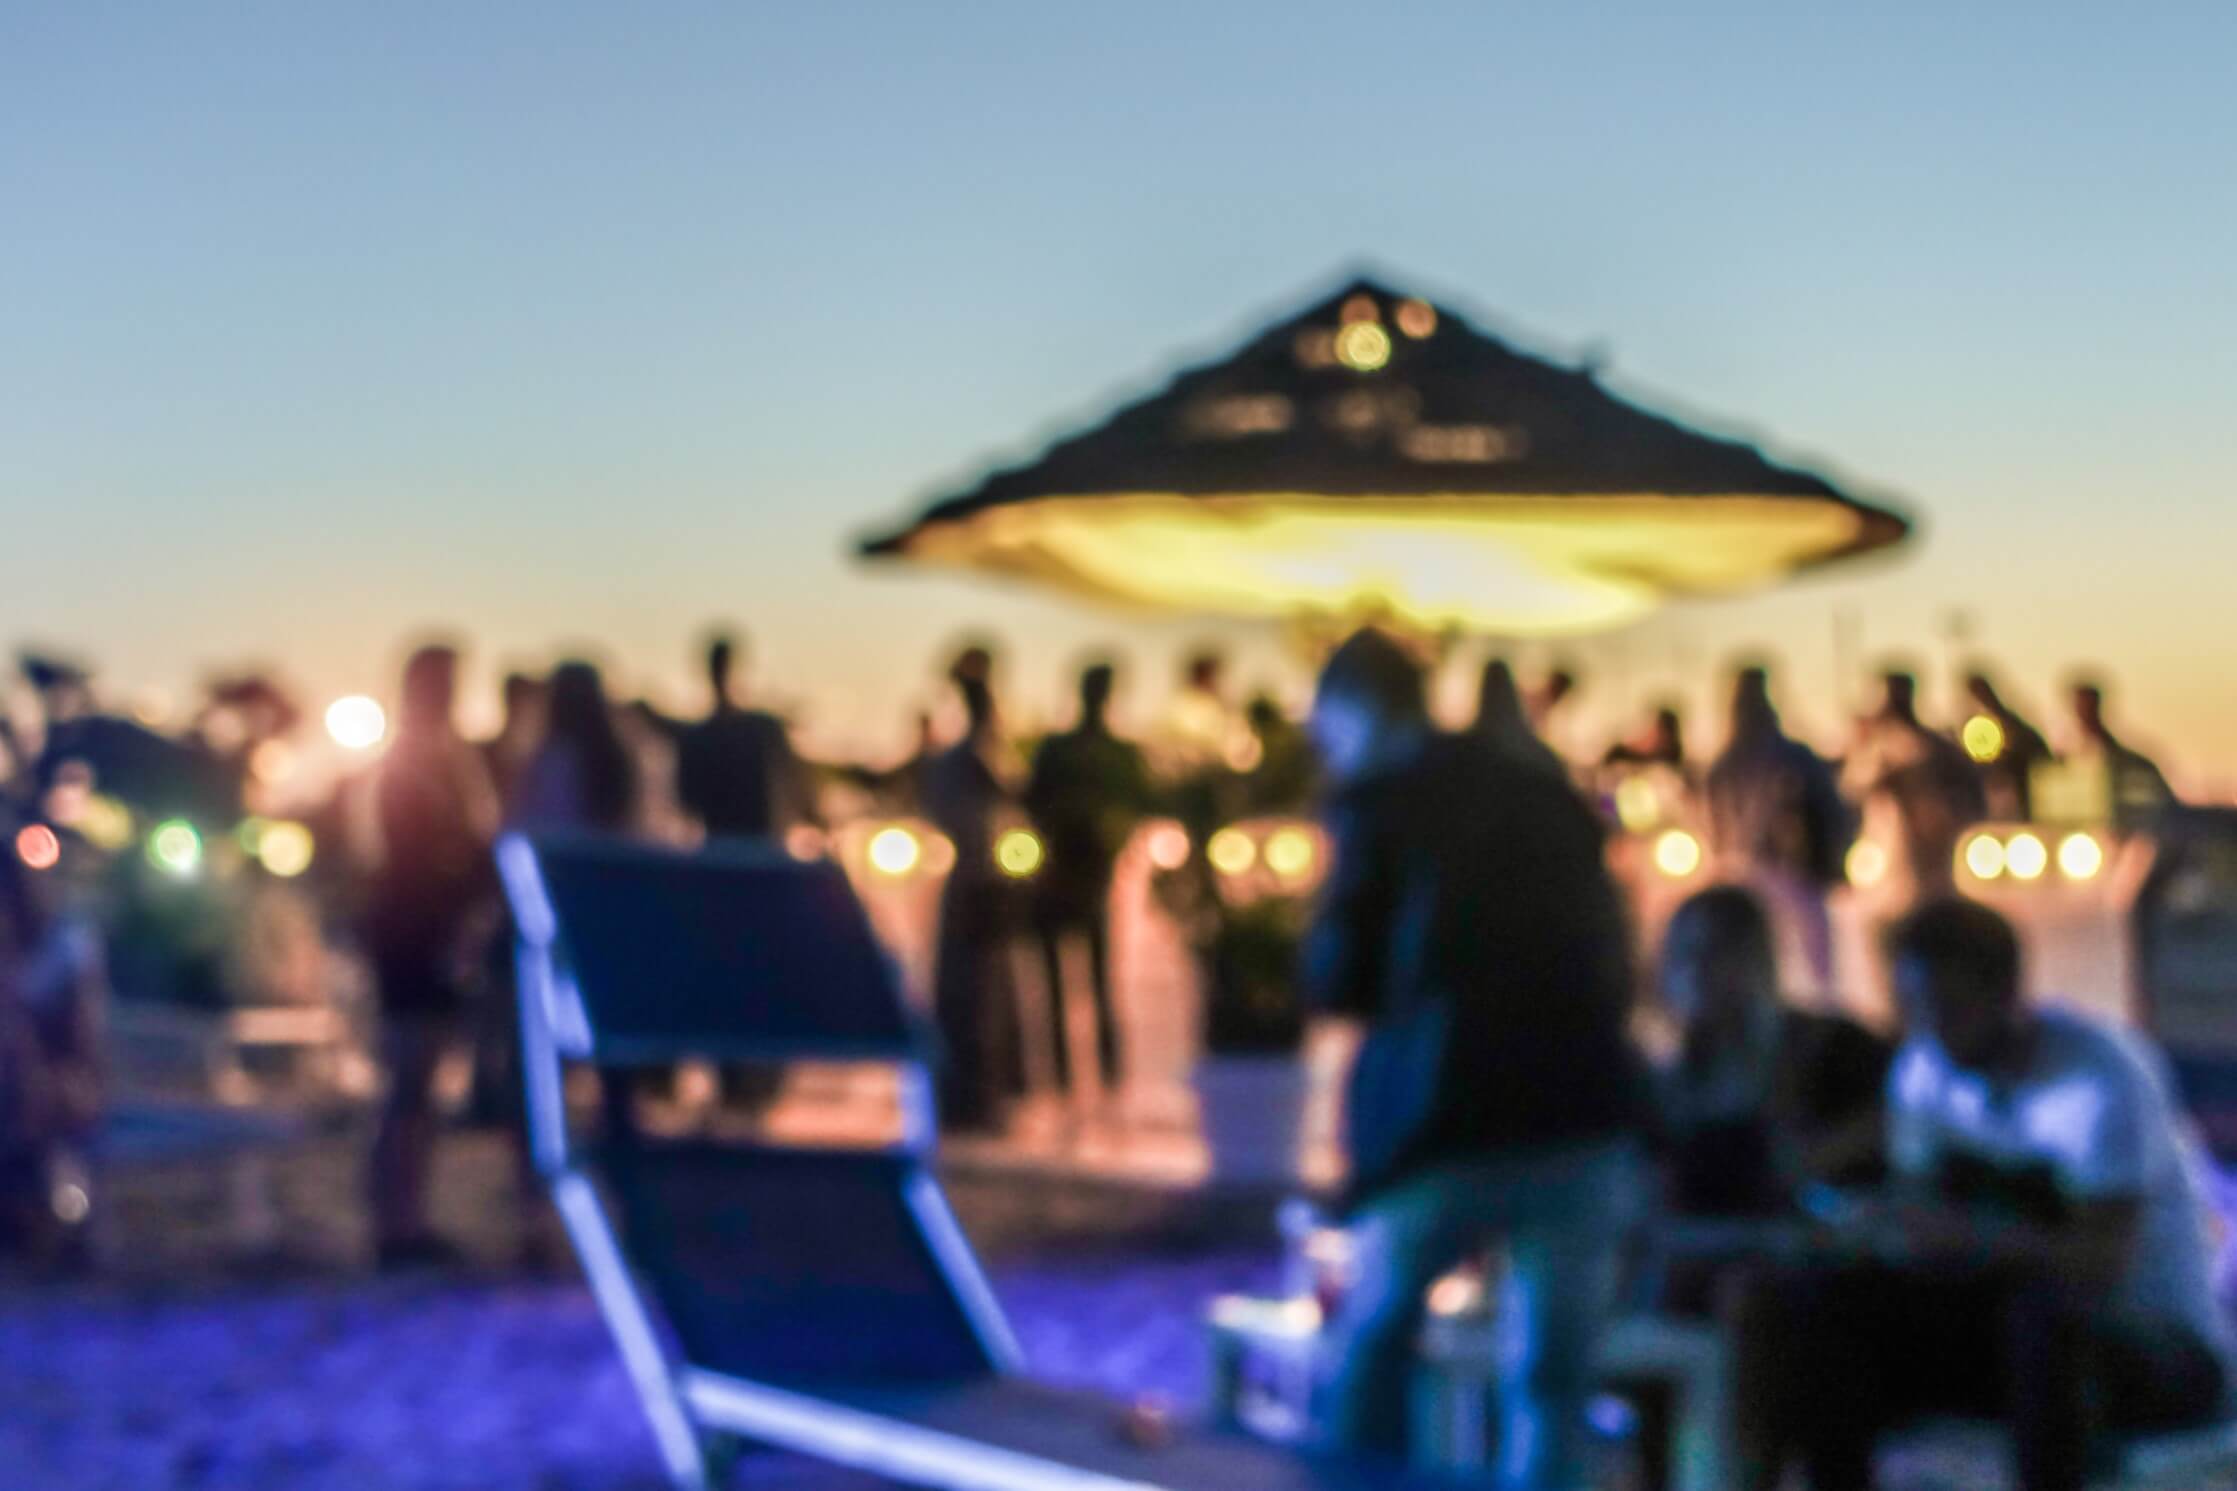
x: 2041, y: 1257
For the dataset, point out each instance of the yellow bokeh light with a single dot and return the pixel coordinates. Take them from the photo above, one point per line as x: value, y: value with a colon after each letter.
x: 105, y: 823
x: 1363, y: 346
x: 356, y: 722
x: 1983, y: 738
x: 1867, y: 864
x: 894, y: 851
x: 1984, y: 856
x: 1638, y: 805
x: 271, y: 761
x: 1416, y: 318
x: 1677, y: 853
x: 1018, y: 853
x: 1168, y: 846
x: 1290, y: 853
x: 1231, y: 851
x: 2026, y: 858
x: 285, y: 849
x: 2080, y: 856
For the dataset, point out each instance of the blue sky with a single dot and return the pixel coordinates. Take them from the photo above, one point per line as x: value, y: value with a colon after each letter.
x: 558, y: 322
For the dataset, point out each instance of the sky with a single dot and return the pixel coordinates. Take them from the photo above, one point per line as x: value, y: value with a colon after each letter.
x: 563, y: 325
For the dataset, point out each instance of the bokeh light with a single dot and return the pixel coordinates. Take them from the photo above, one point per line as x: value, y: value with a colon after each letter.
x: 285, y: 849
x: 894, y: 851
x: 1983, y: 738
x: 1416, y: 318
x: 1867, y: 864
x: 356, y: 722
x: 1290, y: 853
x: 2026, y: 858
x: 1231, y: 851
x: 37, y: 847
x: 271, y: 761
x: 1018, y: 853
x: 1984, y: 856
x: 105, y: 823
x: 1363, y: 347
x: 1638, y: 805
x: 2080, y: 856
x: 1677, y: 853
x: 175, y: 848
x: 1168, y: 846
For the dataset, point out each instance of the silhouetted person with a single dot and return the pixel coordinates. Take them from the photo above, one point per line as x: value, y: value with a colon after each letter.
x: 1469, y: 922
x: 1087, y: 791
x: 2007, y: 776
x: 435, y: 814
x: 735, y: 770
x: 1197, y: 732
x: 1504, y: 725
x: 583, y: 775
x: 1287, y: 773
x: 1936, y: 792
x: 1553, y: 716
x: 966, y: 795
x: 2137, y: 790
x: 506, y: 754
x: 1776, y: 816
x: 1661, y: 743
x: 2039, y: 1258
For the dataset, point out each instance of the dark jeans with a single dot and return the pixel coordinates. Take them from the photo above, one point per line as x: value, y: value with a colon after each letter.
x: 412, y: 1047
x: 1829, y: 1357
x: 974, y: 1001
x: 1094, y: 928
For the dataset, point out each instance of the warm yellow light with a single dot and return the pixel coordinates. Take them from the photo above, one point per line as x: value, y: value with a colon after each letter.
x: 1289, y: 853
x: 1514, y: 566
x: 356, y: 722
x: 1867, y: 864
x: 271, y: 760
x: 1638, y: 805
x: 1983, y: 738
x: 1018, y: 853
x: 1363, y: 346
x: 1231, y: 851
x: 1416, y: 318
x: 285, y: 849
x: 105, y: 823
x: 939, y: 854
x: 894, y: 851
x: 1168, y: 846
x: 1984, y: 856
x: 37, y: 847
x: 2026, y: 858
x: 1677, y: 853
x: 2080, y: 856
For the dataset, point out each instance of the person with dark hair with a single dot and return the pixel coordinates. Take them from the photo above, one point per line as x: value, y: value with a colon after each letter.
x: 583, y: 776
x: 1469, y: 923
x: 967, y: 795
x: 2041, y: 1257
x: 1777, y: 819
x: 1927, y: 778
x: 2135, y: 788
x: 2009, y: 756
x: 505, y: 755
x: 1504, y: 725
x: 1087, y: 791
x: 1660, y: 743
x: 735, y: 770
x: 434, y: 814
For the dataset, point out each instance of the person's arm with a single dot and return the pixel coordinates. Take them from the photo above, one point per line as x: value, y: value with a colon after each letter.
x: 1342, y: 958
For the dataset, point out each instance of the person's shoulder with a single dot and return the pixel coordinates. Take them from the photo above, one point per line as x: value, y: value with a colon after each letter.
x: 1918, y: 1074
x: 2076, y: 1041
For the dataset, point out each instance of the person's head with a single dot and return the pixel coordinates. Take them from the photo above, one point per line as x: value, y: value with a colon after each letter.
x: 1096, y: 683
x: 1498, y: 700
x: 1203, y: 670
x: 1669, y: 730
x: 1752, y: 710
x: 1981, y: 689
x: 973, y: 662
x: 1957, y: 975
x: 430, y: 690
x: 1369, y: 700
x: 1719, y: 964
x: 2089, y: 706
x: 576, y: 707
x: 521, y: 694
x: 1899, y: 695
x: 723, y: 649
x: 1559, y: 685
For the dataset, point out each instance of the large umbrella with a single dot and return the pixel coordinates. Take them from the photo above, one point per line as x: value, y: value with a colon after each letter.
x: 1379, y: 454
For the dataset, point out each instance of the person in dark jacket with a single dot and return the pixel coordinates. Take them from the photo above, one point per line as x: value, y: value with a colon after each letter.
x: 1087, y: 790
x: 735, y: 770
x: 1470, y: 924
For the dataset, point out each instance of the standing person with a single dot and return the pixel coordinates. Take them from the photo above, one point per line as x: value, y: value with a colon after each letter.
x: 1087, y: 791
x: 1661, y: 742
x: 434, y: 814
x: 1469, y: 922
x: 1927, y: 777
x: 505, y: 755
x: 583, y: 775
x: 966, y: 795
x: 1504, y: 725
x: 2041, y: 1258
x: 1776, y: 818
x: 2016, y: 748
x: 2136, y: 788
x: 736, y: 773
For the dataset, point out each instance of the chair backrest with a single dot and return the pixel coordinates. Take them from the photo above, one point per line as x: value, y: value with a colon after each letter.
x: 660, y: 955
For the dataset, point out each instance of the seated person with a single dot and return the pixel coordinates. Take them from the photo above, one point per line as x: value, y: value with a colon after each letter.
x: 2040, y: 1256
x: 1762, y: 1098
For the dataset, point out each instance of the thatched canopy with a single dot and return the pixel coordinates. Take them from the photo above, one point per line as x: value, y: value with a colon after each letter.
x: 1379, y: 453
